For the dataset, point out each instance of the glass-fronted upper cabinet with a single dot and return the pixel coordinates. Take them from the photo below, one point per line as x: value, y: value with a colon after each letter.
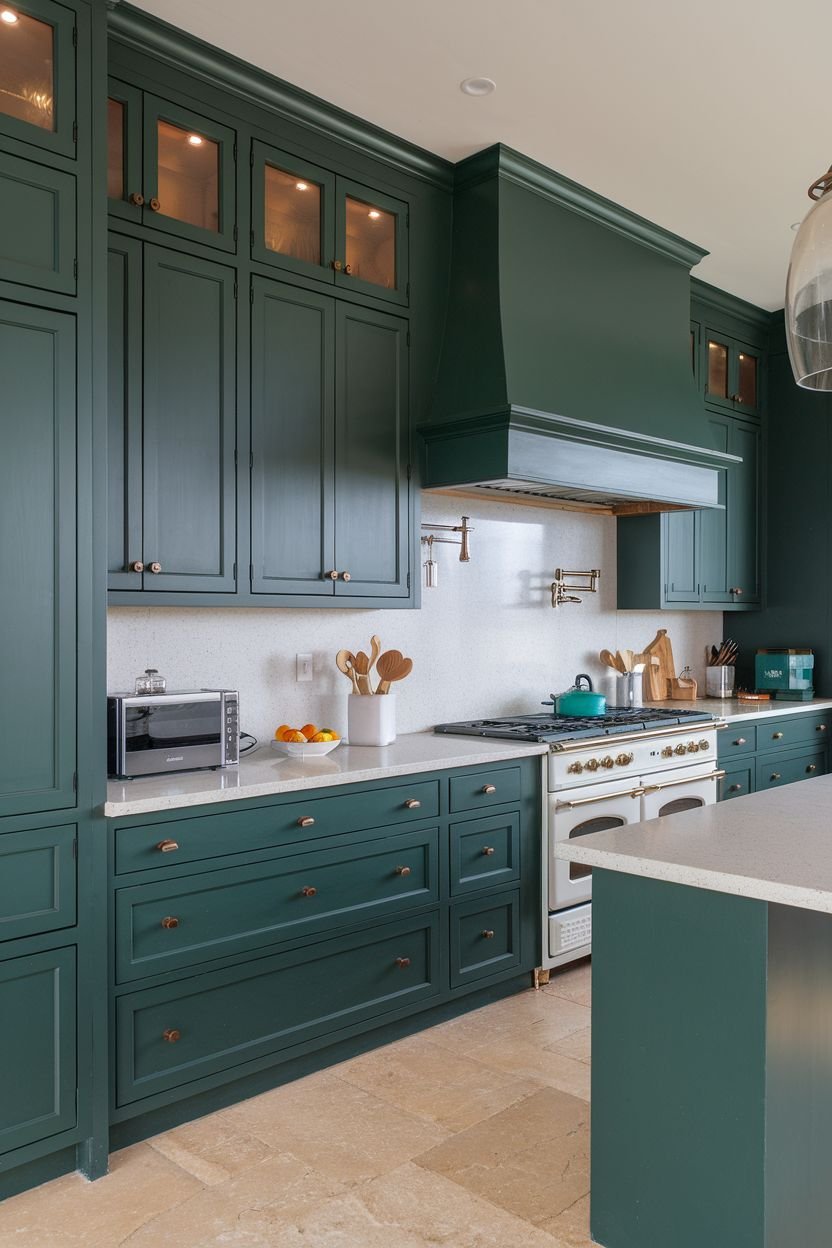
x: 731, y: 374
x: 169, y: 168
x: 314, y: 222
x: 37, y: 74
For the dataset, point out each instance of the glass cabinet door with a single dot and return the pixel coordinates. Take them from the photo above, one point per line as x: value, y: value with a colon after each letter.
x: 292, y: 209
x: 732, y: 374
x: 188, y: 175
x: 124, y: 151
x: 371, y: 241
x: 37, y: 74
x: 746, y: 390
x: 718, y: 370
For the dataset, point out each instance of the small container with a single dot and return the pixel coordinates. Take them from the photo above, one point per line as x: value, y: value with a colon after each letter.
x: 628, y: 690
x: 150, y: 682
x: 719, y: 681
x: 371, y: 719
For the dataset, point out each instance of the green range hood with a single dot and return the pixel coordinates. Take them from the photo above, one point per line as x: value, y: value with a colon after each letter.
x: 565, y: 373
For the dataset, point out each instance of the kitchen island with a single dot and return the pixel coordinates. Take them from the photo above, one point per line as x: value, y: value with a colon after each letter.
x: 712, y: 1025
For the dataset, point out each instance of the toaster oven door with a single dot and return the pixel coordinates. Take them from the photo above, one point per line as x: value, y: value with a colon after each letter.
x: 167, y: 734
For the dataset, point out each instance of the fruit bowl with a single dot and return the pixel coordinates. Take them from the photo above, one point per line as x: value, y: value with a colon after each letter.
x: 305, y: 749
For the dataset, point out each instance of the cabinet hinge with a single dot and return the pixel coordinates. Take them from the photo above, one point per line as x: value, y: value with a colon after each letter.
x: 234, y: 571
x: 251, y: 571
x: 251, y: 157
x: 408, y: 580
x: 234, y: 150
x: 235, y: 289
x: 251, y: 294
x: 407, y: 218
x: 407, y: 296
x: 251, y: 238
x: 235, y: 233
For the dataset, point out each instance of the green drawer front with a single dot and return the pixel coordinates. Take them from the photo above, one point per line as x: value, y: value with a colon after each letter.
x: 782, y: 734
x: 195, y: 1027
x: 37, y: 225
x: 37, y: 881
x: 485, y: 853
x: 169, y: 925
x: 737, y: 782
x: 736, y: 739
x: 485, y: 938
x: 774, y: 770
x: 477, y: 790
x: 210, y: 836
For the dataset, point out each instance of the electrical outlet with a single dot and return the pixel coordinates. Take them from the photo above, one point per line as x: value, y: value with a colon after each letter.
x: 303, y: 663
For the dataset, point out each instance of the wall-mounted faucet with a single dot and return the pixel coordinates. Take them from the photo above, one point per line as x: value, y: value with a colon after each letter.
x: 430, y: 565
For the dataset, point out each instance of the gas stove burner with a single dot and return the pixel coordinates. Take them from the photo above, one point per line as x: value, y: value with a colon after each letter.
x: 559, y: 727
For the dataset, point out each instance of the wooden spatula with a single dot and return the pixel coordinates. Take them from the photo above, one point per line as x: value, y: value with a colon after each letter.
x: 392, y: 666
x: 345, y: 662
x: 607, y: 656
x: 362, y: 670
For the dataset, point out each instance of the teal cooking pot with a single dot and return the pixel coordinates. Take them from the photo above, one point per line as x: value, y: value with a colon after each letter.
x: 579, y: 700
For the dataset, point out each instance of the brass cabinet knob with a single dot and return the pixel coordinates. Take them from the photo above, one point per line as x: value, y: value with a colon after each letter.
x: 137, y: 566
x: 734, y: 788
x: 488, y: 933
x: 704, y: 745
x: 348, y: 268
x: 402, y: 963
x: 169, y: 921
x: 171, y: 1034
x: 309, y: 890
x: 136, y: 198
x: 820, y: 728
x: 413, y: 803
x: 812, y: 767
x: 740, y: 741
x: 488, y: 850
x: 332, y: 576
x: 345, y: 576
x: 737, y: 398
x: 154, y: 204
x: 167, y: 847
x: 403, y: 870
x: 776, y: 736
x: 737, y: 592
x: 775, y: 775
x: 489, y: 788
x: 337, y: 265
x: 155, y: 566
x: 305, y: 821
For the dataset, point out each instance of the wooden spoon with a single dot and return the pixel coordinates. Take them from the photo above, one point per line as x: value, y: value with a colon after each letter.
x: 628, y: 659
x: 392, y: 666
x: 375, y: 650
x: 362, y: 668
x: 607, y: 656
x: 345, y: 662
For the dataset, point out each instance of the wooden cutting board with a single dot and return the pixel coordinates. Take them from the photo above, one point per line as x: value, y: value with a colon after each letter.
x: 661, y: 674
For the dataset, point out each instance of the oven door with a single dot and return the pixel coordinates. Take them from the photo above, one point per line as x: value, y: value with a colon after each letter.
x: 577, y: 812
x: 684, y: 788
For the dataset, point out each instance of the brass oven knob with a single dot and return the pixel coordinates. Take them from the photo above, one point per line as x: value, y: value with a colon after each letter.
x: 403, y: 870
x: 488, y: 850
x: 171, y: 1034
x: 575, y: 769
x: 704, y: 745
x: 488, y: 934
x: 607, y: 762
x: 155, y: 567
x: 167, y: 847
x: 154, y: 204
x: 305, y: 821
x: 413, y: 803
x: 402, y: 963
x: 680, y: 749
x: 137, y: 566
x: 169, y: 921
x: 693, y: 748
x: 624, y: 760
x: 136, y: 198
x: 592, y: 764
x: 308, y: 890
x: 488, y: 789
x: 667, y: 752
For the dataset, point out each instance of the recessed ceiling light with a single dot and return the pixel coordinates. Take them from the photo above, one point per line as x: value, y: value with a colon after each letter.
x: 195, y: 140
x: 8, y: 17
x: 795, y: 225
x: 301, y: 186
x: 478, y: 86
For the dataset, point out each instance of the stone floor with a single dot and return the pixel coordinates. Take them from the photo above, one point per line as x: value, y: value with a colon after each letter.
x: 473, y: 1134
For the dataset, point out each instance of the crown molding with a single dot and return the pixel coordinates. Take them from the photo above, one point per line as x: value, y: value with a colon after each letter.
x: 731, y: 305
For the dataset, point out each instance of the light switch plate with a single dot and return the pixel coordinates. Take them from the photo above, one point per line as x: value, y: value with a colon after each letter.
x: 303, y: 667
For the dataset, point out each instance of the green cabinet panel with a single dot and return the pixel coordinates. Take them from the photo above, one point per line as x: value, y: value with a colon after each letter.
x: 202, y: 837
x: 477, y: 790
x: 794, y: 729
x: 37, y: 881
x: 743, y: 512
x: 773, y: 751
x: 179, y: 1032
x: 713, y: 526
x: 37, y: 225
x: 179, y: 923
x: 292, y: 440
x: 124, y: 412
x: 189, y: 425
x: 736, y: 739
x: 372, y: 441
x: 775, y: 770
x: 38, y: 560
x: 485, y: 937
x: 737, y: 782
x: 38, y: 76
x: 37, y: 1047
x: 682, y: 557
x: 485, y: 853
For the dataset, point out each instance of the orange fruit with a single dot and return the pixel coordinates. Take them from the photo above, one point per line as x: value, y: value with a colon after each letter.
x: 278, y: 732
x: 331, y: 733
x: 309, y: 731
x: 295, y: 736
x: 318, y: 737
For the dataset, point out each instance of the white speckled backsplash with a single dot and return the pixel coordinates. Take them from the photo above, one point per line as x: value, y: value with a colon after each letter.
x: 485, y: 642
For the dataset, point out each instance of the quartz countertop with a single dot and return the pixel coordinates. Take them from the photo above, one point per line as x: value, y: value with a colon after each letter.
x: 266, y: 772
x: 775, y: 846
x: 731, y: 709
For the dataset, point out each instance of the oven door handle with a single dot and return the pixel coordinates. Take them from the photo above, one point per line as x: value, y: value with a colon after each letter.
x: 671, y: 784
x: 605, y: 797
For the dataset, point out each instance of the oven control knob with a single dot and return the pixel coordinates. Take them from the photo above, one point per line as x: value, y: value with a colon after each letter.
x: 624, y: 760
x: 607, y: 762
x: 680, y: 749
x: 592, y: 764
x: 703, y: 744
x: 693, y: 748
x: 575, y: 769
x: 667, y: 752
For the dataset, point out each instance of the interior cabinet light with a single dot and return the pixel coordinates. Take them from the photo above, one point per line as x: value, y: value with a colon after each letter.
x: 8, y: 17
x: 195, y: 140
x: 301, y: 186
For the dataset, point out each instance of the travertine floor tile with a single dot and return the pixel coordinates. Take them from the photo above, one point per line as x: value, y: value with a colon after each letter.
x: 574, y: 983
x: 72, y: 1213
x: 210, y: 1149
x: 572, y: 1225
x: 532, y: 1159
x: 435, y: 1083
x: 250, y: 1209
x: 341, y: 1130
x: 578, y: 1045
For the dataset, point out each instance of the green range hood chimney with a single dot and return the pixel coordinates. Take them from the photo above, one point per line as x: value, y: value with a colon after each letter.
x: 565, y: 372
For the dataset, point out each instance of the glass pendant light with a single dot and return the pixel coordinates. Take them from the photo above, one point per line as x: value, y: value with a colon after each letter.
x: 808, y: 309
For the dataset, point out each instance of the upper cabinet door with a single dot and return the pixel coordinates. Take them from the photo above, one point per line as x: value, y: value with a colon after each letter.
x: 124, y: 413
x: 746, y: 389
x: 292, y: 213
x: 125, y: 195
x: 189, y: 427
x: 713, y: 525
x: 371, y: 242
x: 744, y: 515
x: 681, y: 574
x: 37, y: 74
x: 371, y: 454
x: 732, y: 374
x: 38, y: 560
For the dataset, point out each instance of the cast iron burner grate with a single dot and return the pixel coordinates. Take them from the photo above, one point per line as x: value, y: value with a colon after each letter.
x: 558, y: 727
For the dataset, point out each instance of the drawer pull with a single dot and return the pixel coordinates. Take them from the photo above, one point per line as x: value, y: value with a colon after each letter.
x: 740, y: 741
x: 170, y: 921
x: 775, y: 775
x: 171, y: 1034
x: 812, y: 767
x: 309, y: 890
x: 305, y: 821
x: 488, y: 933
x: 167, y: 847
x: 820, y: 727
x: 776, y: 736
x: 489, y: 788
x: 413, y: 803
x: 734, y: 788
x: 488, y: 850
x: 403, y: 870
x: 402, y: 963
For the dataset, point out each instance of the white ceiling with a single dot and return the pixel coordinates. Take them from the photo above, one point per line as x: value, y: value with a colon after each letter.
x: 710, y: 118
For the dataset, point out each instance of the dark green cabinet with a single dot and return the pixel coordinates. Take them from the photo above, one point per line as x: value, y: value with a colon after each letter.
x: 330, y: 442
x: 37, y: 225
x: 37, y: 881
x: 172, y: 420
x: 38, y: 75
x: 37, y: 1047
x: 170, y: 169
x: 768, y: 752
x: 731, y: 371
x: 38, y: 559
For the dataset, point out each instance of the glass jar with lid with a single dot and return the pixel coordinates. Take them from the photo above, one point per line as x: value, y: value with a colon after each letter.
x: 150, y: 682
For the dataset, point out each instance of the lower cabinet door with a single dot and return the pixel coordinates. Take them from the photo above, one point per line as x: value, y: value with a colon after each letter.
x: 737, y: 782
x: 182, y: 1031
x: 37, y: 881
x: 485, y: 938
x: 776, y: 770
x: 485, y: 853
x: 37, y: 1047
